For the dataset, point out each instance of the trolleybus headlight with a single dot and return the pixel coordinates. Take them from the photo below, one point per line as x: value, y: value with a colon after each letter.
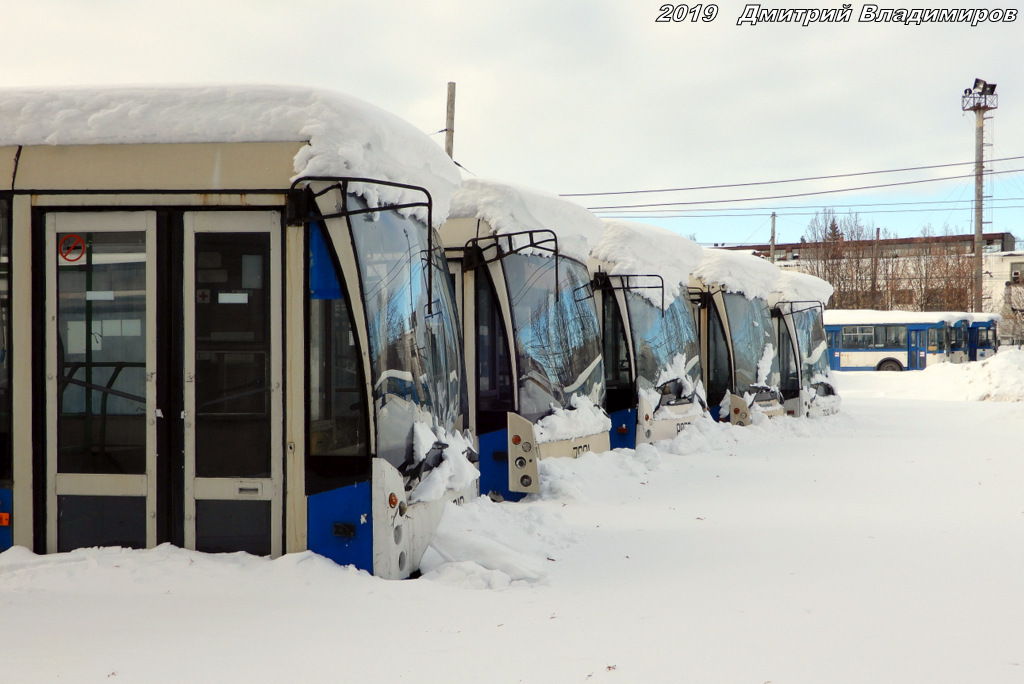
x: 527, y: 447
x: 526, y: 480
x: 520, y: 462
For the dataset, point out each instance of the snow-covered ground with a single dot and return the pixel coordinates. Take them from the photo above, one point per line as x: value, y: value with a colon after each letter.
x: 882, y: 544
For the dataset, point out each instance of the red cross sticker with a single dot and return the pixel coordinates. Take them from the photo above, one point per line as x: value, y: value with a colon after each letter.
x: 203, y: 296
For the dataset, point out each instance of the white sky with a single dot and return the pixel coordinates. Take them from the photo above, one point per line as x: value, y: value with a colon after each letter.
x: 594, y: 95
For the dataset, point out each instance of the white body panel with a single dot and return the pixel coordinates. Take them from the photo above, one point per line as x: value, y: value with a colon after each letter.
x: 523, y: 457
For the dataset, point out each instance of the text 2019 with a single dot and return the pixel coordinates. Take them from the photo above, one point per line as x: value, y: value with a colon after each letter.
x: 684, y: 12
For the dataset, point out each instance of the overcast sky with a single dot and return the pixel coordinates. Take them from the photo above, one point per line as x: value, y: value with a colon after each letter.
x: 596, y: 96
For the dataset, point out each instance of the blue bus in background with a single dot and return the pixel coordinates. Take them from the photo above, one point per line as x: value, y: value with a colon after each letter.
x: 864, y: 339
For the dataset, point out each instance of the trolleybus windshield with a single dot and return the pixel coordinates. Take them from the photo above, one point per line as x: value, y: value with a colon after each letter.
x: 557, y: 338
x: 659, y: 339
x: 415, y: 351
x: 813, y: 346
x: 750, y: 327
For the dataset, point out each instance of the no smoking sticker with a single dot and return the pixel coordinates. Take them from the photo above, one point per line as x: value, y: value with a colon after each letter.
x: 71, y: 248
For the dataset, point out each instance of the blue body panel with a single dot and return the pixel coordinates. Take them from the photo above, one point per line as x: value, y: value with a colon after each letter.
x: 626, y: 440
x: 348, y: 507
x: 6, y: 506
x: 494, y: 472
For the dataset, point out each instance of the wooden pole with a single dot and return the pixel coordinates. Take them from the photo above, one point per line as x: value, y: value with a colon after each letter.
x: 449, y: 123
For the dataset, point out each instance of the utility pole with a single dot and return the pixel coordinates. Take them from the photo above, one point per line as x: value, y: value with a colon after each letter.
x: 449, y: 122
x: 771, y: 248
x: 874, y: 269
x: 979, y: 99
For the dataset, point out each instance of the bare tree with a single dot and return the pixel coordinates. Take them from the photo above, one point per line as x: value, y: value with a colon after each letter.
x: 846, y: 253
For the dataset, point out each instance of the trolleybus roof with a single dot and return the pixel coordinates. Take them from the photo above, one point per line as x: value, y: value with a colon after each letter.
x: 346, y: 136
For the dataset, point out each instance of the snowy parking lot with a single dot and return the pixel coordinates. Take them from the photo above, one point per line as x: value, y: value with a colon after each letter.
x: 882, y: 544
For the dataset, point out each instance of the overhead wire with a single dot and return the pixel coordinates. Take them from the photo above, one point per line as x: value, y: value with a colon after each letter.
x: 811, y: 193
x: 776, y: 182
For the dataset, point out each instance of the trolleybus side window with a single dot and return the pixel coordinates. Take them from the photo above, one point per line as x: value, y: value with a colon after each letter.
x: 891, y: 336
x: 858, y: 336
x: 493, y: 359
x: 790, y: 378
x: 719, y: 370
x: 339, y: 445
x: 446, y: 351
x: 616, y: 357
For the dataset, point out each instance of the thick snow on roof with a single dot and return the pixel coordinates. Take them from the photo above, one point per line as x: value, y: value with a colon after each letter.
x: 871, y: 317
x: 346, y: 136
x: 510, y: 209
x: 793, y: 286
x: 738, y: 272
x: 639, y: 248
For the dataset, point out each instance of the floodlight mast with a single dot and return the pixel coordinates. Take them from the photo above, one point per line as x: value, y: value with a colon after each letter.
x: 979, y: 99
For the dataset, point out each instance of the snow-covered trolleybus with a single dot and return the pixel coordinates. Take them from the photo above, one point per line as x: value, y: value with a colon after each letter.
x: 653, y: 374
x: 984, y: 336
x: 805, y: 381
x: 866, y: 339
x: 233, y: 328
x: 741, y: 365
x: 531, y: 331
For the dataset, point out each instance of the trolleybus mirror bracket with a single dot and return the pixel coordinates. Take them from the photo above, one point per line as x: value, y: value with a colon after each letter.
x: 476, y: 251
x: 602, y: 281
x: 296, y: 215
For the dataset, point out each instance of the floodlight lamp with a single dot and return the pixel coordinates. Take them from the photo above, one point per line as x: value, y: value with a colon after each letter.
x: 967, y: 91
x: 989, y: 89
x: 979, y: 85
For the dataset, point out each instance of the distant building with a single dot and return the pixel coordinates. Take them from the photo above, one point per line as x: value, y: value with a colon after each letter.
x: 787, y: 252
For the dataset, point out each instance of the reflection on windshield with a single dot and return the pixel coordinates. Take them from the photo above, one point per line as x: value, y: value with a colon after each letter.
x: 658, y: 340
x: 416, y: 359
x: 750, y: 323
x: 558, y: 340
x: 810, y: 333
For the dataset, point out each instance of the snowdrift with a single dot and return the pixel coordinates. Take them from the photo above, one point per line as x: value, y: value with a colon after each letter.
x: 999, y: 378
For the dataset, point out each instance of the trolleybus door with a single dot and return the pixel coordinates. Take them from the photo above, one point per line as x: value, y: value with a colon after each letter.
x: 916, y: 346
x: 100, y: 380
x: 232, y: 382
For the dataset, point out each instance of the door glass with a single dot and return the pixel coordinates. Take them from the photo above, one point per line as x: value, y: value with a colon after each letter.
x: 101, y: 355
x: 85, y: 521
x: 5, y: 334
x: 232, y: 364
x: 229, y: 526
